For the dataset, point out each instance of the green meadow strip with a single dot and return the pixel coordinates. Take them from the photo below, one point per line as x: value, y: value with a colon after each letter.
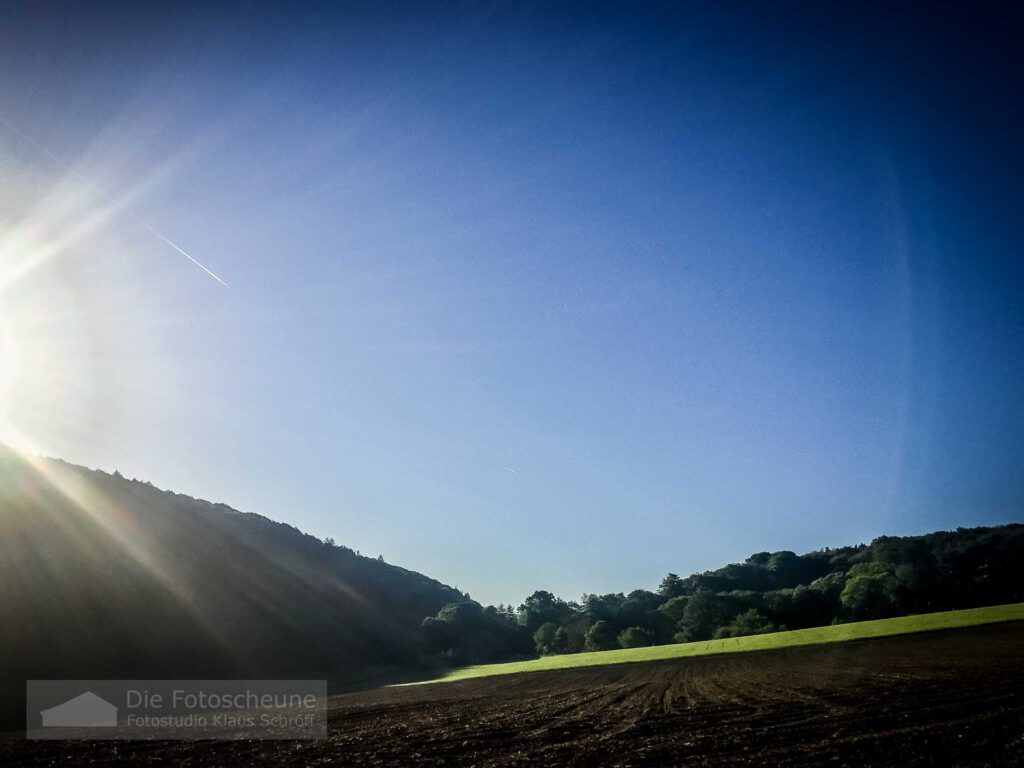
x: 836, y: 633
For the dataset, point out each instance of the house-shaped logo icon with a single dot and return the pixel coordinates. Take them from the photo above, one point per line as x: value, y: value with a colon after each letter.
x: 85, y: 710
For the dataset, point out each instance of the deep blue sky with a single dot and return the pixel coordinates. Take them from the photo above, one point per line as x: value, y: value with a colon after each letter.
x: 525, y: 296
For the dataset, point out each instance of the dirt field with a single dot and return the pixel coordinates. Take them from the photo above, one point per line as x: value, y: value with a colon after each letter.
x: 944, y: 698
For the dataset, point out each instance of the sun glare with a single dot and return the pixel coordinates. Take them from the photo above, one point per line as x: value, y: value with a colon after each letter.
x: 64, y: 320
x: 12, y: 380
x: 7, y: 373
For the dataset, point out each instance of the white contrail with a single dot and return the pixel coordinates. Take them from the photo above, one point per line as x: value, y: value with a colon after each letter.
x: 167, y: 240
x: 137, y: 219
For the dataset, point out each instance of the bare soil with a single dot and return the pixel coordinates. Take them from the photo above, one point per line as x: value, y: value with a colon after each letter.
x: 952, y: 698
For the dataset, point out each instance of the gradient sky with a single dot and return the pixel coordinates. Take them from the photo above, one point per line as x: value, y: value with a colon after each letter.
x: 524, y: 296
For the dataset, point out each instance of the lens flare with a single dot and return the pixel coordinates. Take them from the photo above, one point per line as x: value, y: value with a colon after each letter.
x: 141, y: 222
x: 7, y: 368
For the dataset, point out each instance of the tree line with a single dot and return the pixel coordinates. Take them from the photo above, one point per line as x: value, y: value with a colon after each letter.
x: 768, y: 592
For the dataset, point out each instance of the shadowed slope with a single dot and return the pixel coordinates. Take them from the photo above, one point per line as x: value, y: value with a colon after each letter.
x: 102, y: 577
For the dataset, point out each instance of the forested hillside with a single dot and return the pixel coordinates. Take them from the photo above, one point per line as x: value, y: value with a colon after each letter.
x: 104, y: 577
x: 769, y: 591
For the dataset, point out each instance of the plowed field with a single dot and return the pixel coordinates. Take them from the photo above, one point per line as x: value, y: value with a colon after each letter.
x: 941, y: 698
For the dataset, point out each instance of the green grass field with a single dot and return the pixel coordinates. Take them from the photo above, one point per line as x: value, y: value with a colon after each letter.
x: 832, y: 634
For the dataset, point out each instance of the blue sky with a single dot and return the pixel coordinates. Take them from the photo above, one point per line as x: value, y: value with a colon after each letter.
x: 524, y: 297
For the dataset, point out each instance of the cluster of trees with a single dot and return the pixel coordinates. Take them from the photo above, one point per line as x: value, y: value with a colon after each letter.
x: 769, y: 591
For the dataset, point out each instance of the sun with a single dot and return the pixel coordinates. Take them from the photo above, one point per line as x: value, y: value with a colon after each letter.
x: 7, y: 373
x: 34, y: 370
x: 11, y: 379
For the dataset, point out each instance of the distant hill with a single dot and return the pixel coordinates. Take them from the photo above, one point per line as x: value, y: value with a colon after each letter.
x: 104, y: 577
x: 768, y: 592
